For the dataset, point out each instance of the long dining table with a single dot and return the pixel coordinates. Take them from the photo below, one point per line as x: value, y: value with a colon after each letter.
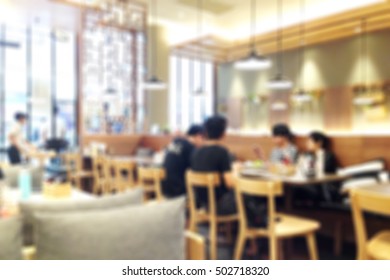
x: 290, y: 181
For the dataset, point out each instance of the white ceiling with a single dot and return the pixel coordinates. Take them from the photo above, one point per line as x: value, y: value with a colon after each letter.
x: 228, y: 19
x: 39, y: 12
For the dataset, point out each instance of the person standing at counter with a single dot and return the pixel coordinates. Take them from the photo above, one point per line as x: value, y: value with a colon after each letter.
x: 18, y: 144
x: 177, y: 160
x: 285, y: 151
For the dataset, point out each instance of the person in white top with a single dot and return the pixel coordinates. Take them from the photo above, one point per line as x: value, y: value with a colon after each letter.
x: 18, y: 144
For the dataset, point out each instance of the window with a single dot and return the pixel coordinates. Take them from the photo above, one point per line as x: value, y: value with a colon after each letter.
x: 186, y: 105
x: 38, y: 74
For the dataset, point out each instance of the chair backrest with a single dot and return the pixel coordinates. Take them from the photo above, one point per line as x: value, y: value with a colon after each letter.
x: 209, y: 181
x: 252, y: 187
x: 73, y: 163
x: 154, y: 175
x: 99, y: 165
x: 119, y: 167
x: 366, y: 201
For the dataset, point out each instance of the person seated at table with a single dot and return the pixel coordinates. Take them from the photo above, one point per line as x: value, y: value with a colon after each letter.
x: 318, y: 145
x: 177, y: 160
x: 316, y: 161
x: 285, y: 150
x: 214, y: 157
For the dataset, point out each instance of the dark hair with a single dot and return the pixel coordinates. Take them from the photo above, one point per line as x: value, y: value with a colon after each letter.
x: 20, y: 116
x: 282, y: 130
x: 319, y: 137
x: 195, y: 130
x: 215, y: 127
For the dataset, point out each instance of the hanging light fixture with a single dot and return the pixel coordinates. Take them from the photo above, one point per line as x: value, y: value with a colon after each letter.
x: 279, y: 82
x: 200, y: 90
x: 154, y: 83
x: 362, y: 97
x: 253, y: 61
x: 301, y: 96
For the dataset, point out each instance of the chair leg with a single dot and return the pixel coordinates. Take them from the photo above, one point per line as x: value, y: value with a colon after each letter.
x: 280, y: 251
x: 311, y: 244
x: 239, y: 246
x: 273, y: 248
x: 213, y: 240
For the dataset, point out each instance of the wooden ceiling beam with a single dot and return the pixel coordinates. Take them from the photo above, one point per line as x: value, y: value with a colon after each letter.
x: 319, y: 31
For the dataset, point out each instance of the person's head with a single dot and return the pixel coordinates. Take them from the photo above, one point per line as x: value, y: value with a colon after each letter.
x: 215, y: 127
x: 317, y: 141
x: 281, y: 135
x: 21, y: 117
x: 195, y: 135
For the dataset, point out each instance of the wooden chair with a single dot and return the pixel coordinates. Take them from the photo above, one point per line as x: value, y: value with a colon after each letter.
x: 149, y: 179
x: 378, y: 247
x: 101, y: 178
x: 122, y: 174
x: 209, y: 181
x: 279, y: 226
x: 74, y: 169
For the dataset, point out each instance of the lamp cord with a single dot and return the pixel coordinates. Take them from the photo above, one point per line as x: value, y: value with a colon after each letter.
x: 253, y: 11
x: 280, y: 36
x: 303, y: 44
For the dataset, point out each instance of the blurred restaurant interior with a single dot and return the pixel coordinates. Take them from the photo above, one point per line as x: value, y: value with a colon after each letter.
x: 194, y: 129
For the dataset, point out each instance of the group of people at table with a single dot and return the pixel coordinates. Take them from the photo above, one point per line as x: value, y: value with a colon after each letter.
x: 202, y: 150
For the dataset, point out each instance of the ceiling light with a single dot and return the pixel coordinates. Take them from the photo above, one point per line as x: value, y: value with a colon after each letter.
x: 253, y: 61
x: 154, y: 84
x: 279, y: 106
x: 302, y: 97
x: 280, y: 83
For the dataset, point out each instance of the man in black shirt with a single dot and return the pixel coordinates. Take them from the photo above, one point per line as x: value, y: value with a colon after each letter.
x: 213, y: 157
x: 177, y: 161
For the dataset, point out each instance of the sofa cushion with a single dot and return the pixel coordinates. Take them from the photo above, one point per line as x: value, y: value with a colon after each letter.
x: 11, y: 176
x: 145, y: 232
x: 10, y: 239
x: 363, y: 170
x: 29, y: 208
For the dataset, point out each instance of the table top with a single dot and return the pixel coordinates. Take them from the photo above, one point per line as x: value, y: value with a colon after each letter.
x: 296, y: 180
x: 383, y: 189
x: 137, y: 160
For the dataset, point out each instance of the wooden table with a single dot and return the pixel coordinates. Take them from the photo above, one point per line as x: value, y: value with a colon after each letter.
x: 296, y: 180
x: 383, y: 189
x: 140, y: 161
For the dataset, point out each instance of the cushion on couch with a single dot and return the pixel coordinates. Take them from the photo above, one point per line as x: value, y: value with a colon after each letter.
x: 10, y: 239
x: 365, y: 169
x: 11, y: 176
x: 145, y: 232
x: 29, y: 208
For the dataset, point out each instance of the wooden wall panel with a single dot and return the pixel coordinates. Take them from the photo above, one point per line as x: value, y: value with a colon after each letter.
x: 279, y: 116
x: 234, y: 112
x: 348, y: 149
x: 116, y: 144
x: 155, y: 143
x: 338, y: 109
